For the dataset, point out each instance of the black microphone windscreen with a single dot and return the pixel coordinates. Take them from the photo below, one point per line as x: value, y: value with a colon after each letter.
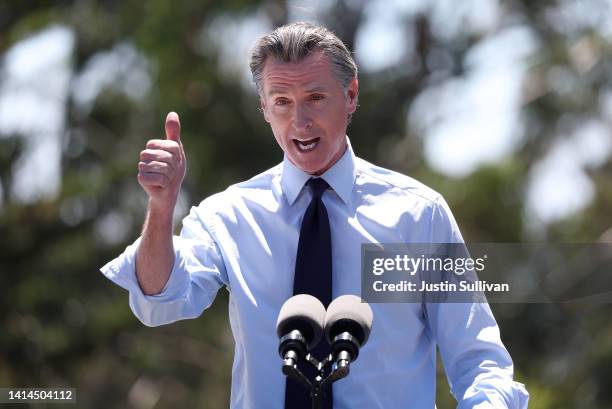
x: 304, y: 313
x: 348, y: 313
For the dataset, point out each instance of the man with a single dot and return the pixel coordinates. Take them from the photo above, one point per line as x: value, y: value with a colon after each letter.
x: 250, y: 239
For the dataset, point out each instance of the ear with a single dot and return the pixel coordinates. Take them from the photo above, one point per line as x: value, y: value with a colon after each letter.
x: 352, y: 94
x: 262, y: 104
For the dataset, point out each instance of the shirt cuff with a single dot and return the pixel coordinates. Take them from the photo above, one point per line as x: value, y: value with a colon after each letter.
x: 122, y: 271
x: 495, y: 394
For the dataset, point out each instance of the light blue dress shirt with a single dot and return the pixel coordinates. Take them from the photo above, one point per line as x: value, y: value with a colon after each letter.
x: 245, y: 239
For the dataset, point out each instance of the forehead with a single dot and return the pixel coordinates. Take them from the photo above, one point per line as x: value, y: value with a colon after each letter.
x: 315, y: 70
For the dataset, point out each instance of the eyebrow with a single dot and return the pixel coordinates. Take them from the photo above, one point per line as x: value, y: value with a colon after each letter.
x: 274, y: 91
x: 316, y: 89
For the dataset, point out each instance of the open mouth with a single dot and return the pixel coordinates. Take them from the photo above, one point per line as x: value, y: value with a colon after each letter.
x: 306, y: 145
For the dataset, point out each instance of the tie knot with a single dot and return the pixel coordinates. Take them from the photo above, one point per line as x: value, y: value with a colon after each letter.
x: 317, y: 187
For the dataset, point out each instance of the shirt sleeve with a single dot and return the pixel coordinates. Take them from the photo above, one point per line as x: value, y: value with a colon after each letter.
x: 197, y: 274
x: 478, y: 366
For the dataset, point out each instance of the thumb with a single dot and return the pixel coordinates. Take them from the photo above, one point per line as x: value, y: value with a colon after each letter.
x: 173, y: 127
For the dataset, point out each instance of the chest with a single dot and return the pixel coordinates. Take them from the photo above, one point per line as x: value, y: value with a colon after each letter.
x: 259, y: 246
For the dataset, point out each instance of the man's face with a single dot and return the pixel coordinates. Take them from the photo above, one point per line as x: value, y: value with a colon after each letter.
x: 307, y: 109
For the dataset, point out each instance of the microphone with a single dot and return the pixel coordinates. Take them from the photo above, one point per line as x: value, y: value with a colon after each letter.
x: 299, y: 327
x: 348, y: 323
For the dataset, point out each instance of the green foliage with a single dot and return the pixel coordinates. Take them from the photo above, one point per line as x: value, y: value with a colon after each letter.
x: 65, y: 324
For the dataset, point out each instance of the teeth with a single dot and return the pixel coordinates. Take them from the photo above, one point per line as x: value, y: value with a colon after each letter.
x: 308, y: 147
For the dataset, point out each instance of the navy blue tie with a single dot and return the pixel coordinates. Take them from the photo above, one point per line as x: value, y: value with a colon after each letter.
x: 313, y: 275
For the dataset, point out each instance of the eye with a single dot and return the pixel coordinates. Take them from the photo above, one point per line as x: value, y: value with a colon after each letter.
x: 317, y: 97
x: 281, y: 101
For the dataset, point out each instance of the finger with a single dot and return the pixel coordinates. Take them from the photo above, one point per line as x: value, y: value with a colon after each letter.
x: 173, y: 127
x: 166, y: 145
x: 162, y: 168
x: 149, y: 155
x: 157, y: 180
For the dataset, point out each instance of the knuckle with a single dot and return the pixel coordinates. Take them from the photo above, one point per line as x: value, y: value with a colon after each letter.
x: 153, y: 143
x: 147, y: 154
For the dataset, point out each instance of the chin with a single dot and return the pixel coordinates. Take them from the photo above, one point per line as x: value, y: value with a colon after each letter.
x: 311, y: 169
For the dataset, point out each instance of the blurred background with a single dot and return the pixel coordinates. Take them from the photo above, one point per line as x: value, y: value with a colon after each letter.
x: 504, y: 107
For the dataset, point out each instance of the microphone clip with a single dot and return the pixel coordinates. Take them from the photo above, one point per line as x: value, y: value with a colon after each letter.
x: 321, y: 383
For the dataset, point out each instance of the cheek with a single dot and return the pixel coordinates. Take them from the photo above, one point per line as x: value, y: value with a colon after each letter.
x: 276, y: 119
x: 336, y: 123
x: 280, y: 132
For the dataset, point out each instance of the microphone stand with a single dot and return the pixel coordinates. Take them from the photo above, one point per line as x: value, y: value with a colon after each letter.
x: 339, y: 369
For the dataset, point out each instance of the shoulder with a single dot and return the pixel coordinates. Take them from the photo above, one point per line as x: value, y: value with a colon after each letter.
x: 401, y: 196
x: 391, y: 182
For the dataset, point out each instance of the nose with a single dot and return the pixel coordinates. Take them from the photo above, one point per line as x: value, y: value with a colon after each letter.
x: 301, y: 118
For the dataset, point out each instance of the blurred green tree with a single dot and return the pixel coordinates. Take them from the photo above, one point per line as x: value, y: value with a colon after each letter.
x: 64, y: 324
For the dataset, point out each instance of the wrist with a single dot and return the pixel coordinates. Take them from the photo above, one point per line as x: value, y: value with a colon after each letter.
x: 161, y: 209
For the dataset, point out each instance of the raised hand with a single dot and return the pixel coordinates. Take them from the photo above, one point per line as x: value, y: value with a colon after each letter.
x: 162, y: 165
x: 161, y: 171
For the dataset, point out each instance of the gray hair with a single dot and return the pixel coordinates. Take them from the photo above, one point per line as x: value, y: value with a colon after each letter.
x: 295, y: 41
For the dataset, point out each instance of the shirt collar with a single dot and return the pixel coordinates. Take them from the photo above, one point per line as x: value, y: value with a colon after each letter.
x: 341, y: 176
